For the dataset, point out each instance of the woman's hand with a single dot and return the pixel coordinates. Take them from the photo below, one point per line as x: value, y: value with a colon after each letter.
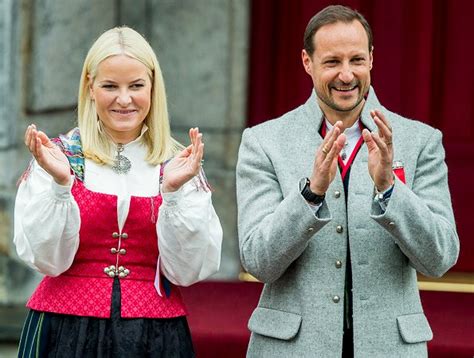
x: 48, y: 155
x: 185, y: 165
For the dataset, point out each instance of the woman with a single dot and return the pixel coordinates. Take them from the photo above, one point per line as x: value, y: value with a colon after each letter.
x: 110, y: 220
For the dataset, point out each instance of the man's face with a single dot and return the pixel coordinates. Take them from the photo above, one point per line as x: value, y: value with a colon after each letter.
x: 340, y: 66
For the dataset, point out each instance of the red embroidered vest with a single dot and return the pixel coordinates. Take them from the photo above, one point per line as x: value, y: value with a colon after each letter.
x: 85, y: 289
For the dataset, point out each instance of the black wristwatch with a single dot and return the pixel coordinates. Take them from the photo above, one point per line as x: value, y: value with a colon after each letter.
x: 308, y: 194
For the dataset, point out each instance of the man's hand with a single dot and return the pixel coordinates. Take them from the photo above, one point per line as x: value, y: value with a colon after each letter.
x: 325, y: 163
x: 380, y: 152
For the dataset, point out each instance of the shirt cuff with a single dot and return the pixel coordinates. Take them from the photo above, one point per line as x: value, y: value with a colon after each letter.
x: 172, y: 198
x: 382, y: 198
x: 315, y: 207
x: 62, y: 192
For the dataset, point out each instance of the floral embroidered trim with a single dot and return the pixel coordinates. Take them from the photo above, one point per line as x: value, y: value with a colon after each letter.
x: 71, y: 146
x: 201, y: 181
x: 25, y: 174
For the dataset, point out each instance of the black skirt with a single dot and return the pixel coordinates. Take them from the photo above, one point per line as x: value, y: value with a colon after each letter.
x: 56, y: 335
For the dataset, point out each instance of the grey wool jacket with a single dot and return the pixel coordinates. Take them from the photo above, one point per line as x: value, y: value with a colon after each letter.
x: 293, y: 251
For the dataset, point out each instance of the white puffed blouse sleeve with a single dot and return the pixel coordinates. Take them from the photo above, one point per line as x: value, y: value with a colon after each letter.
x: 47, y: 219
x: 46, y: 223
x: 189, y: 235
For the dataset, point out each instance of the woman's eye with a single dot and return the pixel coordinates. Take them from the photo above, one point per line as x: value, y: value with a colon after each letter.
x: 108, y: 86
x: 138, y: 85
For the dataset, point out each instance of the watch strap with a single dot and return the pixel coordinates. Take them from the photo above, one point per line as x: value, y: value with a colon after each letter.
x: 310, y: 196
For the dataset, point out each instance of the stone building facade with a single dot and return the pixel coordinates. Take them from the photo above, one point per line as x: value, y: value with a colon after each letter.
x: 202, y: 47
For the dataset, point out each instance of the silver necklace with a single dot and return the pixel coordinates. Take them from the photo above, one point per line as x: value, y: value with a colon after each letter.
x: 122, y: 164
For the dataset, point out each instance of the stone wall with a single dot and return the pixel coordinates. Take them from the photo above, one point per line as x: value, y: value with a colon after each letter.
x: 202, y: 48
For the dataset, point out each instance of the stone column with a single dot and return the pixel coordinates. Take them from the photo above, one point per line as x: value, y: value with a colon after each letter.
x: 42, y: 47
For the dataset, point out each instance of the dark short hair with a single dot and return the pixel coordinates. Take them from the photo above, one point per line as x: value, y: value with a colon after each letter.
x: 331, y: 15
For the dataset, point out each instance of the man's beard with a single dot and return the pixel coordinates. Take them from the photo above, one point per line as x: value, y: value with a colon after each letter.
x: 328, y: 101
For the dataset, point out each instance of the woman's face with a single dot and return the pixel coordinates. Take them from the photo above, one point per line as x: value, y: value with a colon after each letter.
x: 122, y: 95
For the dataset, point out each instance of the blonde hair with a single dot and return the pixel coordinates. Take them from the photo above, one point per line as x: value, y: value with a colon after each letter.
x: 95, y: 143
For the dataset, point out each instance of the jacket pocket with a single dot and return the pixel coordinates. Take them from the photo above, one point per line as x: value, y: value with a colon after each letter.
x: 414, y: 328
x: 274, y: 323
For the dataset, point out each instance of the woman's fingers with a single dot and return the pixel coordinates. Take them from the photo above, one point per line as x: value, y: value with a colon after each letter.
x: 194, y: 152
x: 45, y: 139
x: 185, y: 152
x: 32, y: 144
x: 192, y: 135
x: 38, y: 153
x: 28, y: 133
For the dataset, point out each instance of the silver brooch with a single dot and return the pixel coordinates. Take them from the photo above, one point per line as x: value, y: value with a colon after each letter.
x: 122, y: 164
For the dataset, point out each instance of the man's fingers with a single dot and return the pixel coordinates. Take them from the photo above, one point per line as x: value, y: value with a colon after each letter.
x: 336, y: 148
x: 341, y: 139
x: 369, y: 141
x: 383, y: 125
x: 382, y: 146
x: 384, y: 131
x: 382, y: 117
x: 330, y: 137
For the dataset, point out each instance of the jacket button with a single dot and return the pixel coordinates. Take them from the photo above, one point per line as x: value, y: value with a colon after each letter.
x: 339, y: 229
x: 337, y: 193
x: 113, y: 250
x: 310, y: 229
x: 391, y: 224
x: 124, y: 235
x: 336, y: 299
x: 122, y: 251
x: 338, y: 264
x: 115, y: 235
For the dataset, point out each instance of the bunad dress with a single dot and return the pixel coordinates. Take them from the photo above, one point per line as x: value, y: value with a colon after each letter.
x: 113, y: 250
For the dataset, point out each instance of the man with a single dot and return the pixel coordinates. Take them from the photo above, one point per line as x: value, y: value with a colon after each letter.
x: 340, y: 203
